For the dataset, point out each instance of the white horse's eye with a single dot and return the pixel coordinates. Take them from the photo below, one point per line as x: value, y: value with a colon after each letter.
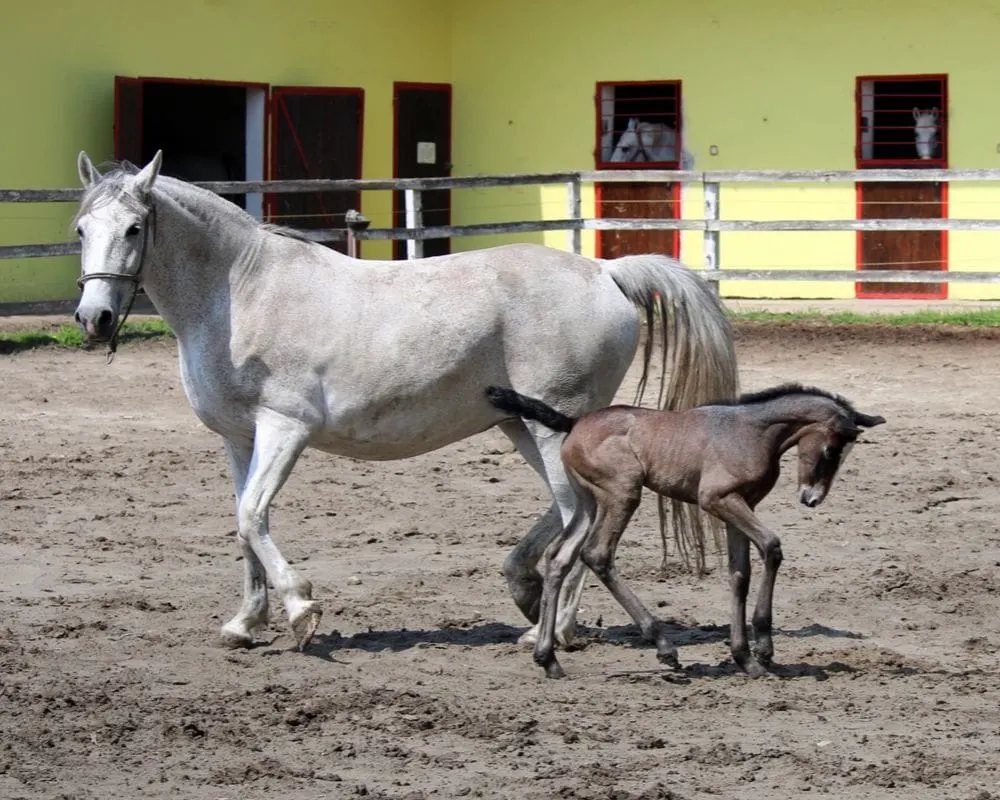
x: 79, y: 231
x: 133, y: 229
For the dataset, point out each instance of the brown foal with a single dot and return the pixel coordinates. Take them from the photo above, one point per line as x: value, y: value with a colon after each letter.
x: 723, y: 457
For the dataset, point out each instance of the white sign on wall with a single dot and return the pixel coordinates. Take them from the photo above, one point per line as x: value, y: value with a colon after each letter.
x: 426, y: 153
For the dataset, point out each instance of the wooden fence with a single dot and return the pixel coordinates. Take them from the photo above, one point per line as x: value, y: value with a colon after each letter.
x: 712, y: 225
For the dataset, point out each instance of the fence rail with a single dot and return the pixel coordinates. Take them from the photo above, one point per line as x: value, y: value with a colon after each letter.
x: 711, y: 225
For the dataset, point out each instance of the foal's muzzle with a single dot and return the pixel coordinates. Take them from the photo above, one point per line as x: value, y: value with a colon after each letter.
x: 811, y: 496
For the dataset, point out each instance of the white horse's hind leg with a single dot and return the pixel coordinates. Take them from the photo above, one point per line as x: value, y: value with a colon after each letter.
x: 278, y: 442
x: 540, y: 448
x: 239, y: 631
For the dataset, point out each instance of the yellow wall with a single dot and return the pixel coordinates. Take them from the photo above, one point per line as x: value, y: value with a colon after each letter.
x: 58, y: 59
x: 771, y: 84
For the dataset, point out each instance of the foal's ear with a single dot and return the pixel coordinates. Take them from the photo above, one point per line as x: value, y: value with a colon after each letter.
x: 147, y: 175
x: 87, y: 171
x: 868, y: 421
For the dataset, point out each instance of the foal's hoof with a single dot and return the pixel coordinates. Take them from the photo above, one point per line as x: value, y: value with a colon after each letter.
x: 669, y: 659
x: 554, y: 670
x: 305, y: 623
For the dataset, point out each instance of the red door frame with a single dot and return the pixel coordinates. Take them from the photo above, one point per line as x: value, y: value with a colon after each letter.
x: 272, y: 145
x: 437, y: 87
x: 861, y: 293
x: 941, y: 163
x: 888, y: 163
x: 675, y: 188
x: 144, y: 79
x: 675, y: 198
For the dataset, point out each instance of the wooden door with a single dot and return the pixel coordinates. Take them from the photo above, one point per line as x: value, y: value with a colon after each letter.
x: 128, y: 120
x: 315, y: 133
x: 902, y: 250
x: 422, y: 118
x: 637, y: 201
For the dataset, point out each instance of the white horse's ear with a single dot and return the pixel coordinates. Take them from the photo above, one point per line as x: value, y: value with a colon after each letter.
x: 916, y: 113
x: 633, y: 123
x: 934, y: 113
x: 88, y: 172
x: 147, y: 175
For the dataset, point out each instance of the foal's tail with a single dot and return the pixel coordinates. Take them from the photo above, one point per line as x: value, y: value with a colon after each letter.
x: 696, y: 345
x: 510, y: 401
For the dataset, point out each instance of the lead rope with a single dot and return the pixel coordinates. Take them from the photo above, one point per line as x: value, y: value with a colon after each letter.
x: 113, y: 341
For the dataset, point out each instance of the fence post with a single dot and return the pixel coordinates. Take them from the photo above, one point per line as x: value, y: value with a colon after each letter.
x: 355, y: 223
x: 574, y: 208
x: 414, y: 219
x: 711, y: 190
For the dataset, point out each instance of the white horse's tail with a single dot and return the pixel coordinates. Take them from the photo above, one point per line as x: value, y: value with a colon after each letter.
x: 696, y: 345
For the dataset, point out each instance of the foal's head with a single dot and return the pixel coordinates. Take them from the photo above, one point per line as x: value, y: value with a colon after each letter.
x: 827, y: 426
x: 824, y: 447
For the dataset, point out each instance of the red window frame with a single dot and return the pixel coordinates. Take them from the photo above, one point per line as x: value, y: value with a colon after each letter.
x: 616, y: 134
x: 940, y: 101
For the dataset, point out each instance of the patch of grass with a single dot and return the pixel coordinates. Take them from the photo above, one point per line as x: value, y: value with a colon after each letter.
x: 69, y: 336
x: 967, y: 318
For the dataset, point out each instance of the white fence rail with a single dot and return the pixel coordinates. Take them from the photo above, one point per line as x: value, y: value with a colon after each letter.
x: 711, y: 225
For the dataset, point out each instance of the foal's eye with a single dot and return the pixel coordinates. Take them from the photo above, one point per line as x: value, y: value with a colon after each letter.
x: 79, y: 231
x: 133, y: 229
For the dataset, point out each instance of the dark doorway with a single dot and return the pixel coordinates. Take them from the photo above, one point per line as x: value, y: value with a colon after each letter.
x: 208, y: 131
x: 422, y: 115
x: 316, y: 133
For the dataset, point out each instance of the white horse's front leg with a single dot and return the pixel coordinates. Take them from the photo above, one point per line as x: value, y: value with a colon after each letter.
x: 278, y: 442
x: 239, y: 631
x: 568, y: 605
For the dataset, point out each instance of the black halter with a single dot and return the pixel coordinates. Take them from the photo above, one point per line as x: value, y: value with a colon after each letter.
x: 135, y: 278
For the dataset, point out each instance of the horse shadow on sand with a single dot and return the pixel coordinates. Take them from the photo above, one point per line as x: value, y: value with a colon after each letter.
x: 483, y: 634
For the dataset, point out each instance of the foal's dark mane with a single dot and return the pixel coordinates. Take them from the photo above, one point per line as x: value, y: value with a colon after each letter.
x: 785, y: 390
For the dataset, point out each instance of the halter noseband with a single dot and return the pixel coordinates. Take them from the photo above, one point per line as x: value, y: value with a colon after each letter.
x: 135, y: 278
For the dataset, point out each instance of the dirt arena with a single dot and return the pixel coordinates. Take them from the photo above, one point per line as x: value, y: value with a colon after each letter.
x: 119, y: 565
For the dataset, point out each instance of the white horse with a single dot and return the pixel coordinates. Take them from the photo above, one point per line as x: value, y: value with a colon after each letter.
x: 926, y: 131
x: 646, y: 141
x: 285, y: 344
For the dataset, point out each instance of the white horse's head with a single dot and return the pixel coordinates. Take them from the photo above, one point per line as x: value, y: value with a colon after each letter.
x: 925, y: 130
x: 629, y: 145
x: 114, y: 225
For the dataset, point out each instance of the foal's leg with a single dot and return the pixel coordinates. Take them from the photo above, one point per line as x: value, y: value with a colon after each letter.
x: 238, y: 632
x: 540, y: 447
x: 735, y: 512
x: 559, y: 559
x: 739, y: 585
x: 599, y: 554
x: 278, y: 442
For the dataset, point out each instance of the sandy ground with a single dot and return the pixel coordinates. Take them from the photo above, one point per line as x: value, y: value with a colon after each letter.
x: 119, y: 563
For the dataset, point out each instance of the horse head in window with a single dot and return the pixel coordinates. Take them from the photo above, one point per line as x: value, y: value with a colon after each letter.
x: 926, y: 132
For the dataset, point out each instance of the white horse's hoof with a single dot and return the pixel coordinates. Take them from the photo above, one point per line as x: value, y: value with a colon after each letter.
x: 529, y: 637
x: 235, y: 637
x: 305, y: 623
